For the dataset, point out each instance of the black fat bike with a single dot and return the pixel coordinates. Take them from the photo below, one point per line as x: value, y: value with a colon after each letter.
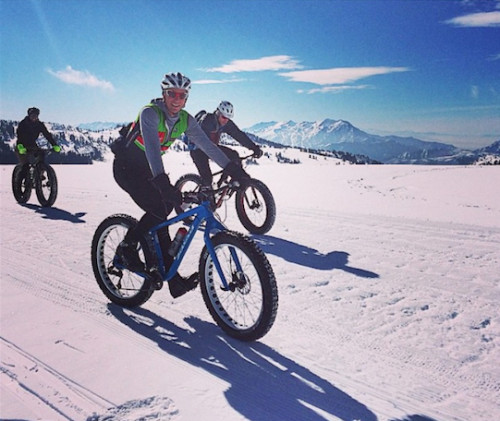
x: 255, y: 204
x: 37, y: 174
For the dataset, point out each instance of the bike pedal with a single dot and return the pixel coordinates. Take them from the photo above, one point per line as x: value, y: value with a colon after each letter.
x: 115, y: 271
x: 155, y: 279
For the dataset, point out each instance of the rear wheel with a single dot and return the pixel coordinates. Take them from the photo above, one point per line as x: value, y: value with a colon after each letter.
x: 255, y: 207
x: 21, y: 183
x: 121, y: 286
x: 46, y: 184
x: 246, y: 310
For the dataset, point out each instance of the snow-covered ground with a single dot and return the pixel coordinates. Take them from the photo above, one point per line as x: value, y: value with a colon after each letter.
x: 389, y: 283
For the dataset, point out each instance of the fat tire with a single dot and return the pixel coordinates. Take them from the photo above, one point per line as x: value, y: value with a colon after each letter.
x: 255, y: 302
x: 106, y: 238
x: 181, y: 183
x: 252, y: 225
x: 22, y: 192
x: 46, y: 179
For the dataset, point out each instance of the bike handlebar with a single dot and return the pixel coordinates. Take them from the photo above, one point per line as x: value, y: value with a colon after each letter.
x: 242, y: 158
x: 206, y: 193
x: 38, y: 149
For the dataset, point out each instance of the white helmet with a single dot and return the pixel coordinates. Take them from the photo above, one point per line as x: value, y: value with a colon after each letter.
x: 176, y: 81
x: 226, y: 109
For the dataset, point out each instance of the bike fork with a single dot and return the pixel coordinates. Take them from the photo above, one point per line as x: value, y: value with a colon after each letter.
x: 215, y: 259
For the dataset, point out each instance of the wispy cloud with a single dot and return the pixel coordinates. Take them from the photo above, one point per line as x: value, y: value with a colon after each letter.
x: 482, y: 19
x: 339, y: 75
x: 216, y: 81
x: 474, y: 91
x: 334, y: 89
x: 79, y: 77
x: 275, y: 63
x: 494, y: 57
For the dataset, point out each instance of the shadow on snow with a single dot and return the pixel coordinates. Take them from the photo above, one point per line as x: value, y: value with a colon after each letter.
x: 57, y: 214
x: 264, y: 384
x: 309, y: 257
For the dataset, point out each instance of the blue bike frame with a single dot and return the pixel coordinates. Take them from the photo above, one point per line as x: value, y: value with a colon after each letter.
x: 200, y: 213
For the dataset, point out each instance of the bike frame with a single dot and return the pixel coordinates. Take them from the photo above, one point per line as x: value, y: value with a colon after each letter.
x: 200, y: 213
x: 33, y: 159
x: 226, y: 191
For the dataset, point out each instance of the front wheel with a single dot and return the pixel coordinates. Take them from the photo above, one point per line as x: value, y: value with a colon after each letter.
x: 188, y: 183
x: 46, y: 184
x: 246, y: 310
x: 21, y: 183
x: 255, y: 207
x: 121, y: 286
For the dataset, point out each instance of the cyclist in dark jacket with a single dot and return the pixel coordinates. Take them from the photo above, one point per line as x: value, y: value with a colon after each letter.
x: 214, y: 124
x: 28, y: 131
x: 138, y: 169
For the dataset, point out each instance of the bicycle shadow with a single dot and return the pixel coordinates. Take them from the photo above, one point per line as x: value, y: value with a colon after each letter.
x: 57, y: 214
x: 263, y: 384
x: 309, y: 257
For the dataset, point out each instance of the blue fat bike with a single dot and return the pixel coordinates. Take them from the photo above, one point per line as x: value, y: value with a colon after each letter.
x: 236, y: 279
x: 37, y: 174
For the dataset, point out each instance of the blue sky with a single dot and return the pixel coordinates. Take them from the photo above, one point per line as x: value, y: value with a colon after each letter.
x: 428, y: 68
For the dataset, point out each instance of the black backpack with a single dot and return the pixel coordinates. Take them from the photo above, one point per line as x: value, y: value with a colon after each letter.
x: 128, y: 134
x: 200, y: 116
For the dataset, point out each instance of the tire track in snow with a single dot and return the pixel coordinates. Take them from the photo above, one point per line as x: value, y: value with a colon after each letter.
x: 30, y: 379
x: 51, y: 281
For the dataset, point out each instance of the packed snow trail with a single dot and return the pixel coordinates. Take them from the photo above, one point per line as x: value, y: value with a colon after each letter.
x: 388, y: 284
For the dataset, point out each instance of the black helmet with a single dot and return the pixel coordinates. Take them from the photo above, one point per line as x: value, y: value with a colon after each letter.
x: 33, y: 110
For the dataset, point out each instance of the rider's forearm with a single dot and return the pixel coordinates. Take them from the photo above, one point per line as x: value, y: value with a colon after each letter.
x: 240, y: 136
x: 48, y: 135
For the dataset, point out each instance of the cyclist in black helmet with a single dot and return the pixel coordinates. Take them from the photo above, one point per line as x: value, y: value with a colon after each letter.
x: 214, y: 124
x: 138, y: 169
x: 28, y: 131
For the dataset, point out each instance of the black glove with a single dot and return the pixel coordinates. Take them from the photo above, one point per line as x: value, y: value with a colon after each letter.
x: 237, y: 173
x: 257, y: 151
x: 168, y: 192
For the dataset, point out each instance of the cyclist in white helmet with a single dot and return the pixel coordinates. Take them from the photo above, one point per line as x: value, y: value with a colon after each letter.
x: 138, y: 169
x: 214, y: 124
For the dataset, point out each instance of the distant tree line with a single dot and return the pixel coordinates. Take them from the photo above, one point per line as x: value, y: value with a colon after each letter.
x: 345, y: 156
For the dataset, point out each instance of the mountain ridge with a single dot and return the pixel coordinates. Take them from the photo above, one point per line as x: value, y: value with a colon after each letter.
x: 89, y: 141
x: 341, y: 135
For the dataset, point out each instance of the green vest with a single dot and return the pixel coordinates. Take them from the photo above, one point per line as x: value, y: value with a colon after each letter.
x: 179, y: 128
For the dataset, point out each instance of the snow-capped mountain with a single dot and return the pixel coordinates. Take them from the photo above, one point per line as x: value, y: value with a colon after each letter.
x: 89, y: 142
x: 340, y: 135
x: 317, y: 135
x: 490, y: 154
x: 494, y: 148
x: 100, y: 125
